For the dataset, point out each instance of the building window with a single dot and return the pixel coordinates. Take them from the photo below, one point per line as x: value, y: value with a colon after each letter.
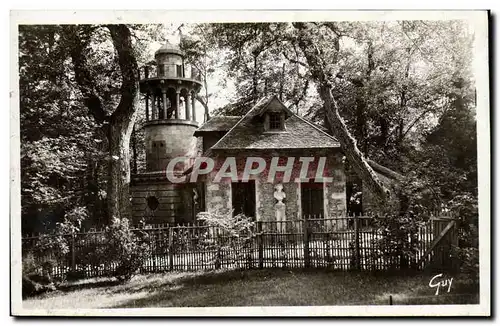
x: 275, y: 122
x: 243, y: 198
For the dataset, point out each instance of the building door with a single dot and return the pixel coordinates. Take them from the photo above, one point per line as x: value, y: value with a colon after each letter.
x: 198, y: 198
x: 312, y: 199
x: 243, y: 198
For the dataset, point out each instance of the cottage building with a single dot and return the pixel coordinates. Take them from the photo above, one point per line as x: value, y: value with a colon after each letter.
x: 303, y: 164
x: 296, y: 167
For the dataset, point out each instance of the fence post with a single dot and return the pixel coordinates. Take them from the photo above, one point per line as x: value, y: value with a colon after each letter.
x: 260, y: 244
x: 305, y: 228
x: 356, y: 242
x: 171, y: 248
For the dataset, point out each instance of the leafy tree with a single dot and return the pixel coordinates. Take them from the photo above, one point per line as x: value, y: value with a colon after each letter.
x: 118, y: 124
x: 390, y: 80
x: 260, y: 59
x: 197, y: 52
x: 77, y: 158
x: 58, y: 139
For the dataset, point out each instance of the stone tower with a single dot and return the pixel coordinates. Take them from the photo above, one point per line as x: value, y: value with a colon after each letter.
x: 169, y: 89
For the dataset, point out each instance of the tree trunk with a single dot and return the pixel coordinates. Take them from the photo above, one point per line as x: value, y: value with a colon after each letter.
x: 134, y: 150
x: 122, y: 123
x: 361, y: 118
x: 255, y: 95
x: 282, y: 81
x: 319, y: 72
x: 205, y: 106
x: 349, y: 145
x: 119, y: 168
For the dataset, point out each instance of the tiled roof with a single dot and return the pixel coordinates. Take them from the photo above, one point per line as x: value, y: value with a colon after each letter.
x: 299, y: 133
x: 169, y: 48
x: 218, y: 123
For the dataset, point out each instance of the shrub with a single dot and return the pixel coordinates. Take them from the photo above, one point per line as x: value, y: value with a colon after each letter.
x: 398, y: 243
x: 91, y: 252
x: 126, y: 248
x: 36, y: 277
x: 468, y: 262
x: 464, y: 207
x: 233, y: 233
x: 53, y: 249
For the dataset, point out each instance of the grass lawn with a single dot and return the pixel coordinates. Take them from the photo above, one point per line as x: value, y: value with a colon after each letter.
x: 255, y: 288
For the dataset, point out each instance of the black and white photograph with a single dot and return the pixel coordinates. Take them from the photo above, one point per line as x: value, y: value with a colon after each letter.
x: 250, y: 163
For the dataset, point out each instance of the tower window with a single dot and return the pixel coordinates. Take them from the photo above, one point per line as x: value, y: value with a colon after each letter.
x: 275, y: 122
x: 152, y: 202
x: 179, y: 71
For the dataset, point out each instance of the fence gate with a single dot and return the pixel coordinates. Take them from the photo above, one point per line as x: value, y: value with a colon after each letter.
x: 439, y: 254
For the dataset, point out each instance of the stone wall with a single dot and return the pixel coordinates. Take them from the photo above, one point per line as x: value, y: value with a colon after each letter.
x: 172, y: 206
x: 335, y: 192
x: 177, y: 140
x: 219, y: 195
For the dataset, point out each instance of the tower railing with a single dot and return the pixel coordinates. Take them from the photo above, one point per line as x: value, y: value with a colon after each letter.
x: 169, y: 71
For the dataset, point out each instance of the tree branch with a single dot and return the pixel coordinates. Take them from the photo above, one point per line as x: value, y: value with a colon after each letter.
x: 121, y: 37
x: 293, y: 60
x: 78, y: 39
x: 414, y: 122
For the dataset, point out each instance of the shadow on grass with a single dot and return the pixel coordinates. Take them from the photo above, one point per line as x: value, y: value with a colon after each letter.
x: 210, y: 289
x: 89, y: 285
x: 295, y: 287
x: 177, y: 280
x: 270, y: 287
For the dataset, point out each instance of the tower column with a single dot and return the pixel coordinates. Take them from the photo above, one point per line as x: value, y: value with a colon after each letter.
x: 188, y: 106
x: 193, y: 101
x: 164, y: 94
x: 157, y: 107
x: 147, y: 106
x: 153, y: 107
x: 177, y: 103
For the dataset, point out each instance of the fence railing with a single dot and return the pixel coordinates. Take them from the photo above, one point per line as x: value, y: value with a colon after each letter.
x: 338, y: 243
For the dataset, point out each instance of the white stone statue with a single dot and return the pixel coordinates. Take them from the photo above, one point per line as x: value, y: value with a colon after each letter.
x: 280, y: 207
x: 195, y: 197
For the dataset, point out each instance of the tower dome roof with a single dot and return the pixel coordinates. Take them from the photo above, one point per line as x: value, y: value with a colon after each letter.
x: 169, y: 48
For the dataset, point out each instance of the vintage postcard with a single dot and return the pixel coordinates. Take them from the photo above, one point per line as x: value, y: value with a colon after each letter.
x: 250, y: 163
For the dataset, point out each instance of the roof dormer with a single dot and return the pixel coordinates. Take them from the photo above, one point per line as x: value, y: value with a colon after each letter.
x: 274, y: 121
x: 273, y: 114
